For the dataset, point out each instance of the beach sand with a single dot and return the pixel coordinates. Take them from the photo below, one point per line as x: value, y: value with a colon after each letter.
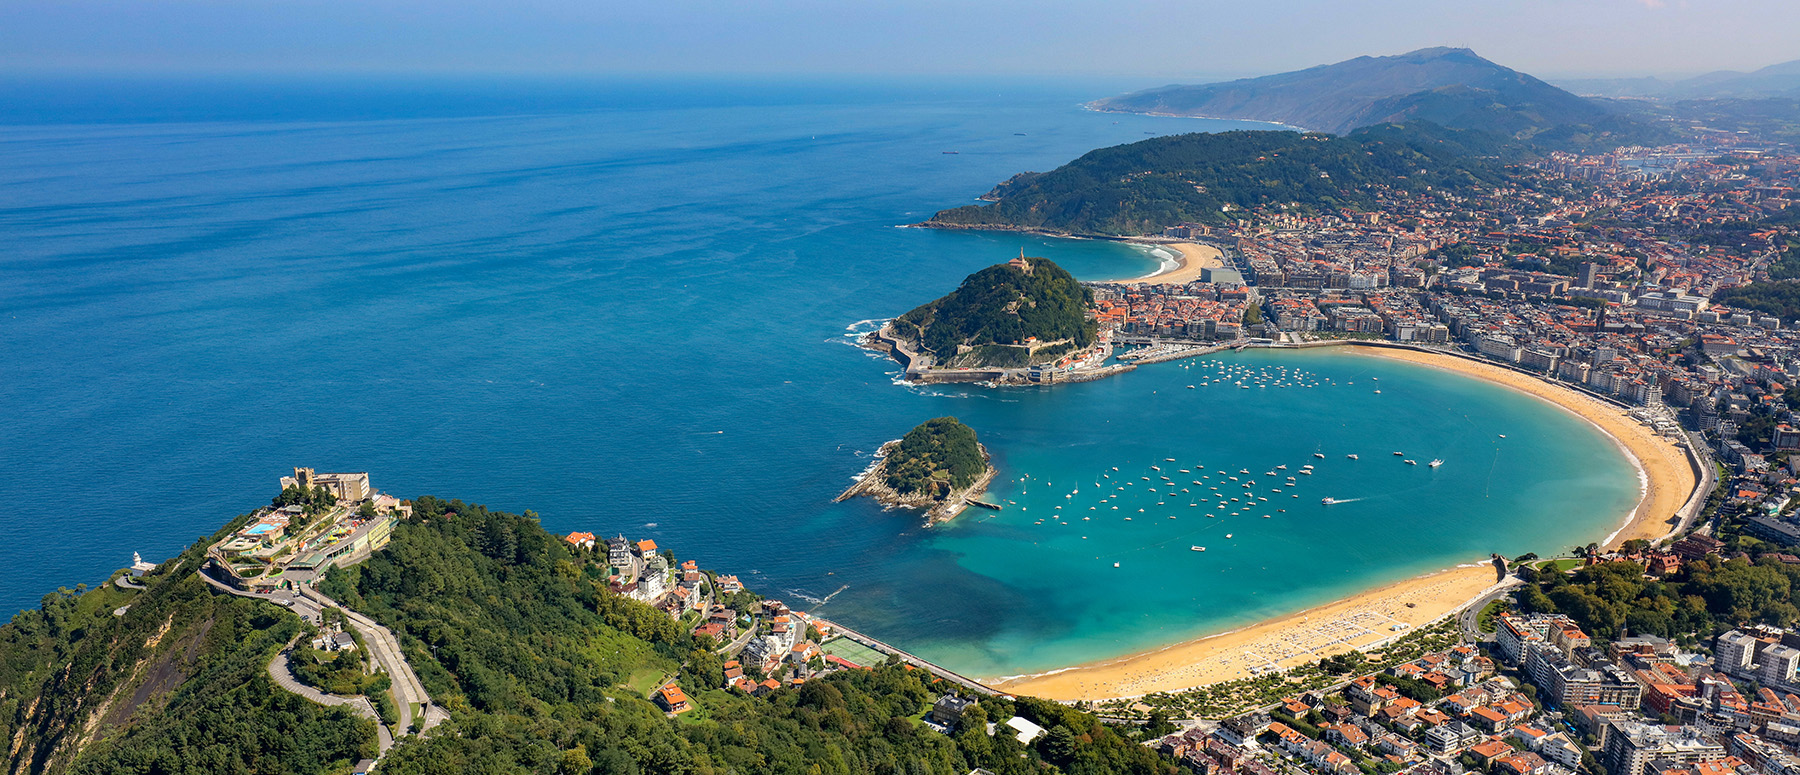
x: 1285, y: 642
x: 1368, y: 617
x: 1190, y: 258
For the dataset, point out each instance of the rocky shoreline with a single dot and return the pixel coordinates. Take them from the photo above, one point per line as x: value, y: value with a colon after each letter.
x: 873, y: 484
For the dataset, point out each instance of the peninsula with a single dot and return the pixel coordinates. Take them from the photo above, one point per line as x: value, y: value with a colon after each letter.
x: 1024, y: 321
x: 938, y: 466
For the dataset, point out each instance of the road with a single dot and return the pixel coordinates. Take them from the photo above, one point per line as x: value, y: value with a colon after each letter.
x: 1470, y: 616
x: 383, y: 647
x: 278, y: 670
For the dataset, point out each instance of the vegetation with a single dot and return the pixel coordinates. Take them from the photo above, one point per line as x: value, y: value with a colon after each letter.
x: 938, y: 457
x: 519, y: 637
x: 1004, y: 316
x: 177, y: 684
x: 1781, y: 299
x: 1146, y: 186
x: 1704, y: 596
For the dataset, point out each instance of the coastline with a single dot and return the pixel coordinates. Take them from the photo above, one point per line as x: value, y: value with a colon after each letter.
x: 1665, y: 480
x: 1366, y: 618
x: 1190, y: 259
x: 1357, y: 621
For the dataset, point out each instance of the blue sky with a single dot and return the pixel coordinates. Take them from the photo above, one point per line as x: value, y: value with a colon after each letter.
x: 1154, y: 39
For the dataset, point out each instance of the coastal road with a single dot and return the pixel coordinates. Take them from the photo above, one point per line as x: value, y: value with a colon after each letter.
x: 1469, y: 618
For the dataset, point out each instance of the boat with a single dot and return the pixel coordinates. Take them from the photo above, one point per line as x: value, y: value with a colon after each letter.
x: 1399, y: 454
x: 1306, y: 471
x: 1377, y: 392
x: 1190, y: 387
x: 1435, y: 463
x: 1156, y: 468
x: 1319, y: 455
x: 951, y: 153
x: 1410, y: 462
x: 1282, y: 467
x: 1352, y: 456
x: 1168, y: 460
x: 1327, y: 501
x: 1115, y: 565
x: 1503, y: 435
x: 1196, y: 548
x: 1243, y: 470
x: 1227, y: 535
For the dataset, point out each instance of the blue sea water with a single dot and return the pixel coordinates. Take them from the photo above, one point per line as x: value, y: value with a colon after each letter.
x: 628, y: 306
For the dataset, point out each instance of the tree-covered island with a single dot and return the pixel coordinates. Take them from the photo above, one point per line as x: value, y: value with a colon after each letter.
x: 938, y: 466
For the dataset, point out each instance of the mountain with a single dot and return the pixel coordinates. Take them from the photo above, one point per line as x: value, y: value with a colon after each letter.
x: 542, y: 667
x: 1452, y: 87
x: 1778, y: 80
x: 1025, y: 311
x: 1143, y: 187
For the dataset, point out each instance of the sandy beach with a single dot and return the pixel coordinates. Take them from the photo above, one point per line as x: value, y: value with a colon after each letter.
x: 1190, y: 258
x: 1285, y: 642
x: 1370, y: 617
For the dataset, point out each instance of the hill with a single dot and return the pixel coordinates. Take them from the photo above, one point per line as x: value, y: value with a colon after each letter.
x: 1777, y: 80
x: 176, y: 683
x: 1142, y: 187
x: 936, y: 458
x: 1452, y: 87
x: 1009, y: 315
x: 539, y: 663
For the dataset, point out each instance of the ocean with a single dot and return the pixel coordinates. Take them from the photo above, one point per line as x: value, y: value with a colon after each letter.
x: 629, y: 306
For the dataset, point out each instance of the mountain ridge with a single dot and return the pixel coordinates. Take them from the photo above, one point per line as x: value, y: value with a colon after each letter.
x: 1452, y: 87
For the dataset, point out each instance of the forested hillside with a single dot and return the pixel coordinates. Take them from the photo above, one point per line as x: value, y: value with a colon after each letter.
x: 939, y: 456
x: 541, y: 666
x: 177, y: 684
x: 993, y: 316
x: 1142, y: 187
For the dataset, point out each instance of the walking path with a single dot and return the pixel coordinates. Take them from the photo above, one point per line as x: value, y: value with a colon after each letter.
x: 284, y: 677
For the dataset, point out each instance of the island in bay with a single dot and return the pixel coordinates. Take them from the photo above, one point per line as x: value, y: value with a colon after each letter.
x: 939, y: 467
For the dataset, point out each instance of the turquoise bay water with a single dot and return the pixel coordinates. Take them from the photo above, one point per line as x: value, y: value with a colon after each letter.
x: 625, y: 306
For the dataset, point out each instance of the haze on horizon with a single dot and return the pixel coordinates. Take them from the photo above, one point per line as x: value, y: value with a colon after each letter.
x: 1151, y: 39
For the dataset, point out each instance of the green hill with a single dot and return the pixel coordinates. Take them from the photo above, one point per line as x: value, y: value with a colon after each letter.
x: 1142, y: 187
x: 540, y: 665
x: 938, y: 457
x: 1008, y: 315
x: 1448, y: 86
x: 177, y: 684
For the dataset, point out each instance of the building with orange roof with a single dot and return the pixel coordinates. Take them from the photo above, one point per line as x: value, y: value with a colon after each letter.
x: 581, y: 540
x: 672, y: 699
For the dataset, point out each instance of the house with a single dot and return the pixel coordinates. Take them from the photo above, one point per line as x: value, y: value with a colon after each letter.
x: 1346, y: 735
x: 1520, y: 764
x: 581, y: 540
x: 646, y: 549
x: 948, y: 711
x: 1489, y: 750
x: 672, y: 699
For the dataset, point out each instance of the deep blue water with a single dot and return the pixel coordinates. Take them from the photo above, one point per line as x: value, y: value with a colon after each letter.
x: 625, y: 304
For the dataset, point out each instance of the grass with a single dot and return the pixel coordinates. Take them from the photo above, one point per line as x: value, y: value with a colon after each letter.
x: 645, y: 680
x: 1486, y: 621
x: 1563, y: 565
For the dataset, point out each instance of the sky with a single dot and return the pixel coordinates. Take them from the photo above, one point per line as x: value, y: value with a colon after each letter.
x: 1152, y: 39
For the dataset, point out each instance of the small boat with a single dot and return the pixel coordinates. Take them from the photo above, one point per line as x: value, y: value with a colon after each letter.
x: 1156, y: 468
x: 1282, y: 467
x: 1306, y: 471
x: 1115, y: 565
x: 1196, y: 548
x: 1399, y: 454
x: 1190, y: 387
x: 1327, y: 501
x: 1168, y: 460
x: 951, y: 153
x: 1503, y: 435
x: 1410, y: 462
x: 1243, y: 470
x: 1352, y: 456
x: 1435, y: 463
x: 1319, y: 455
x: 1377, y: 392
x: 1227, y: 535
